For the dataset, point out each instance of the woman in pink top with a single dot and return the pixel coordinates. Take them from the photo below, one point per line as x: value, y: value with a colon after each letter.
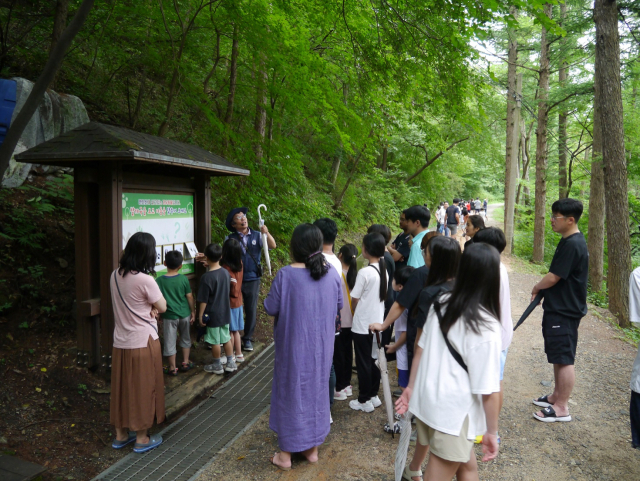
x: 137, y: 386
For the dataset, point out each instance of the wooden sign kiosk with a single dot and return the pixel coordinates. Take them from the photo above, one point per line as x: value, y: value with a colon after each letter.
x: 135, y: 180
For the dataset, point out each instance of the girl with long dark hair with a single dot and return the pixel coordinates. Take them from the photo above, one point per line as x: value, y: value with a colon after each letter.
x: 454, y: 387
x: 304, y: 299
x: 474, y: 224
x: 137, y: 386
x: 232, y: 261
x: 367, y: 297
x: 343, y: 353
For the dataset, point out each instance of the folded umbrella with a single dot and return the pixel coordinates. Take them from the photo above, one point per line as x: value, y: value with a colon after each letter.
x: 403, y: 445
x: 391, y: 426
x: 265, y: 247
x: 529, y: 309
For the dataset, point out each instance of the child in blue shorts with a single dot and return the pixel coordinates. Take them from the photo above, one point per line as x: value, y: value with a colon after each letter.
x: 232, y: 262
x: 214, y: 310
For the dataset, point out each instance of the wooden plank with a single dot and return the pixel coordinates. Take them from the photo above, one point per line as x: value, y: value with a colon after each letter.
x: 87, y: 258
x: 110, y: 245
x: 89, y: 308
x: 202, y: 217
x: 137, y: 180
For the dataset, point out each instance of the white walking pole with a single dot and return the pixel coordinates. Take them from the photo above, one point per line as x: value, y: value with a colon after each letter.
x: 265, y: 247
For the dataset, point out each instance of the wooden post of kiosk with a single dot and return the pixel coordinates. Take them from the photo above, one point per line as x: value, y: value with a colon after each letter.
x: 110, y: 162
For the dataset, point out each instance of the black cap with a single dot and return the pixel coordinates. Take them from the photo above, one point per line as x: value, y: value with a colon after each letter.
x: 232, y: 214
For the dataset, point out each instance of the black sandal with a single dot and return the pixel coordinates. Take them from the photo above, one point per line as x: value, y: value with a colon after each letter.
x: 543, y: 401
x: 549, y: 416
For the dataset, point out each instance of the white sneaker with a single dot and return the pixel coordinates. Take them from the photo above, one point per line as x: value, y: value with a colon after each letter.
x: 375, y: 401
x: 330, y: 419
x: 349, y: 391
x: 340, y: 395
x: 358, y: 406
x: 223, y: 359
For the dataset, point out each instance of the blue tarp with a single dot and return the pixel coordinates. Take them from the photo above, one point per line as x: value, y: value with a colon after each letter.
x: 7, y: 105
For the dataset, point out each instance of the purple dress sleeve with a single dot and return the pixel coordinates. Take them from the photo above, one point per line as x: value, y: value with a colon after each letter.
x: 272, y: 302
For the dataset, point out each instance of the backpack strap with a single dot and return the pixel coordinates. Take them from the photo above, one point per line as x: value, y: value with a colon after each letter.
x: 456, y: 355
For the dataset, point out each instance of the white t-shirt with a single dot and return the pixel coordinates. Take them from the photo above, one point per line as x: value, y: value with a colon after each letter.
x: 334, y: 261
x: 505, y: 308
x: 346, y: 316
x: 370, y: 308
x: 444, y: 394
x: 634, y: 317
x: 440, y: 215
x: 400, y: 326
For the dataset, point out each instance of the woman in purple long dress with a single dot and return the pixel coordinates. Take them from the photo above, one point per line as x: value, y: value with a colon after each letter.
x: 305, y: 297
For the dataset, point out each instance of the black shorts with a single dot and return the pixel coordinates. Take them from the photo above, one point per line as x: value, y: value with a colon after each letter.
x: 560, y: 335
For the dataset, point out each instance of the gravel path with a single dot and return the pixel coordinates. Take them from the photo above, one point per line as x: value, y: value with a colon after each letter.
x: 595, y: 446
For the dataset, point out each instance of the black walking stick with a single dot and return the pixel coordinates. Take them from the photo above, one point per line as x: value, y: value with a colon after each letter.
x: 529, y: 309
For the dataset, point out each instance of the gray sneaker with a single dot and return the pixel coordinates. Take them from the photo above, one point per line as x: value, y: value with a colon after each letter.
x: 231, y: 366
x: 215, y: 368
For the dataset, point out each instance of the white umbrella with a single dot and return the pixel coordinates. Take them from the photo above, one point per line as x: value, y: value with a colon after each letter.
x: 403, y: 445
x: 265, y: 247
x: 391, y: 427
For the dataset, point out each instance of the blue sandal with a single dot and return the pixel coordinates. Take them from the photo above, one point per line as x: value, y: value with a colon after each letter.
x: 115, y: 444
x: 154, y: 442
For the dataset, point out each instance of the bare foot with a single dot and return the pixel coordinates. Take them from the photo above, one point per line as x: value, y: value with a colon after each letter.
x: 311, y: 454
x: 284, y: 465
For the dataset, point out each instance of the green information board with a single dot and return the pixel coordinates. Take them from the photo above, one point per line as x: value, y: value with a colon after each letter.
x: 167, y: 217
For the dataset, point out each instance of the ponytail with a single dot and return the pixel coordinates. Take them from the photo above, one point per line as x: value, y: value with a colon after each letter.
x: 374, y: 244
x: 316, y: 264
x: 306, y: 248
x: 383, y: 279
x: 349, y: 254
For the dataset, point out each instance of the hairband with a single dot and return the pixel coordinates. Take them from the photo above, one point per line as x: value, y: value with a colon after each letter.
x: 315, y: 253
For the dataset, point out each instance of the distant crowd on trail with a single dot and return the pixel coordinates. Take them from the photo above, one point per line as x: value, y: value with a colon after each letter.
x: 445, y: 293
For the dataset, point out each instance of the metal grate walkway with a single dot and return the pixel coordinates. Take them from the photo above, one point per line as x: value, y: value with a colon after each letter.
x: 191, y: 443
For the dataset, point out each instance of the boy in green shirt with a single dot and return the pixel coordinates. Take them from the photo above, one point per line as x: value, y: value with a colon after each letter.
x: 180, y: 312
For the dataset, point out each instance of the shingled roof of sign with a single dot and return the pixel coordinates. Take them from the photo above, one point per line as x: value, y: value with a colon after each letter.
x: 99, y: 142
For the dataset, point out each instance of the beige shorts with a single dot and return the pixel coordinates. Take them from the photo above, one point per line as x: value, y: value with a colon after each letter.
x: 456, y: 449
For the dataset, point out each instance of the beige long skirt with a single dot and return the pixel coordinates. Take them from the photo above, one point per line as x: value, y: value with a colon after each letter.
x: 137, y: 387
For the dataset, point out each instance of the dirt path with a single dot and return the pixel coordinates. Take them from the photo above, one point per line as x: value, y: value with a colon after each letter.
x: 595, y: 446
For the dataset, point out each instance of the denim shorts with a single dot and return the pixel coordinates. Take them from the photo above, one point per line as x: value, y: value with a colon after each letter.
x: 237, y: 320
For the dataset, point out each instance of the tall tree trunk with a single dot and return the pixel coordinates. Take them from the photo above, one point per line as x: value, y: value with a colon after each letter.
x: 607, y: 72
x: 512, y: 181
x: 385, y: 155
x: 48, y: 73
x: 260, y: 121
x: 59, y: 24
x: 233, y: 76
x: 511, y: 128
x: 562, y: 116
x: 335, y: 167
x: 540, y: 215
x: 231, y: 97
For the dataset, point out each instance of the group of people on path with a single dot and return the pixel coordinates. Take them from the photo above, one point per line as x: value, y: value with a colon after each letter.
x: 450, y: 306
x: 453, y: 314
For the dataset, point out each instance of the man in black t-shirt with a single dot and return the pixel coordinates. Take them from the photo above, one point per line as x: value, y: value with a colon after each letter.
x: 452, y: 218
x: 565, y: 304
x: 400, y: 248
